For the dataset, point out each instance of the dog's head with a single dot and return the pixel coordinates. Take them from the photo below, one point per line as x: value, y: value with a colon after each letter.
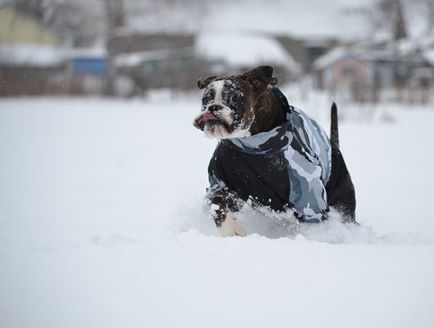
x: 228, y: 103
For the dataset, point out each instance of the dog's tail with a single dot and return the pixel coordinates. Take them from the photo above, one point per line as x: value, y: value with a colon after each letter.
x: 334, y: 129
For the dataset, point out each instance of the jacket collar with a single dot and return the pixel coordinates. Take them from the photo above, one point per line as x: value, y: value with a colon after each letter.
x: 269, y: 142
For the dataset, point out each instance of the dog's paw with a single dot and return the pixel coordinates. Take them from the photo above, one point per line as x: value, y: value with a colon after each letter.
x: 230, y: 227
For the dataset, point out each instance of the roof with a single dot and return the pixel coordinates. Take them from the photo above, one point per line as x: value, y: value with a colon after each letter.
x: 330, y: 58
x: 138, y: 58
x: 95, y: 53
x: 30, y: 55
x: 410, y: 50
x: 428, y: 55
x: 243, y: 49
x: 44, y: 55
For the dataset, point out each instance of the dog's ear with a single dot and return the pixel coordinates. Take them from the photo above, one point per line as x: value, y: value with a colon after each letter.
x: 203, y: 83
x: 260, y: 78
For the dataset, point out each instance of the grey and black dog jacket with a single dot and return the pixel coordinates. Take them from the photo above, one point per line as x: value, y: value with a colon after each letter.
x: 293, y: 166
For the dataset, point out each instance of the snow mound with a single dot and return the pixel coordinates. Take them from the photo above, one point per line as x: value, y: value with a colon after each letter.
x: 272, y: 225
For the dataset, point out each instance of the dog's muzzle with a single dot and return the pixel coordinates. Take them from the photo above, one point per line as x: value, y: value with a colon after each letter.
x: 200, y: 121
x: 210, y: 117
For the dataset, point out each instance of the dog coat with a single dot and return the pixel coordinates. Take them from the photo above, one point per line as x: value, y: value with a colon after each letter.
x: 286, y: 167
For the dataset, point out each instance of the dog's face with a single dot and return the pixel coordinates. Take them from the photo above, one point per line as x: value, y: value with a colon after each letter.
x: 227, y: 109
x: 228, y: 103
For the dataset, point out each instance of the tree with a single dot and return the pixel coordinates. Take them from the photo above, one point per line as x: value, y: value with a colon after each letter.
x: 430, y: 17
x: 388, y: 16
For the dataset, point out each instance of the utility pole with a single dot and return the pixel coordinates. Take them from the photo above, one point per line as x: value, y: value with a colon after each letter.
x: 430, y: 25
x: 399, y: 32
x: 115, y: 20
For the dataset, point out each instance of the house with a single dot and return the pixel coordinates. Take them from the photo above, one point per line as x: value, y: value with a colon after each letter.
x: 369, y: 70
x: 176, y: 60
x: 86, y: 70
x: 19, y: 29
x: 155, y: 60
x: 31, y: 57
x: 88, y: 61
x: 306, y: 49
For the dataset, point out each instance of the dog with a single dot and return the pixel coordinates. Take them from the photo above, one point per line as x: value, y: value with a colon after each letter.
x: 269, y: 153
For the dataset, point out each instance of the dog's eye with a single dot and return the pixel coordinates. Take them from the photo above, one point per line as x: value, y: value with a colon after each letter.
x: 208, y: 96
x: 235, y: 98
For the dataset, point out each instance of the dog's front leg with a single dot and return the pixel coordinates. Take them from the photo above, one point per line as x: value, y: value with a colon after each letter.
x: 223, y: 217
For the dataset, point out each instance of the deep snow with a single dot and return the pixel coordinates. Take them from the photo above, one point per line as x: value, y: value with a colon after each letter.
x: 102, y: 225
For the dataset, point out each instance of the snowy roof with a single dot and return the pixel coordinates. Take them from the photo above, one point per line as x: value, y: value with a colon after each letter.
x: 137, y: 58
x: 356, y: 52
x: 427, y: 41
x: 96, y: 52
x: 406, y: 49
x: 30, y: 55
x: 43, y: 56
x: 242, y: 49
x: 330, y: 57
x: 429, y: 56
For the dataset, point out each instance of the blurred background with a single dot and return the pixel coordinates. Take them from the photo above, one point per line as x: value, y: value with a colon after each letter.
x: 361, y: 51
x: 103, y: 176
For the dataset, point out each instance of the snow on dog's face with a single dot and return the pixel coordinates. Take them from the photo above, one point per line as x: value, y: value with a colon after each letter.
x: 227, y: 109
x: 228, y: 103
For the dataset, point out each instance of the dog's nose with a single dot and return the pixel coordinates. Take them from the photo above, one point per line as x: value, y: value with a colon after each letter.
x: 214, y: 108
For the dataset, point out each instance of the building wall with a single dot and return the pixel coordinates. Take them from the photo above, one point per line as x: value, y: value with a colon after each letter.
x: 15, y: 28
x: 92, y: 66
x: 130, y: 43
x: 349, y: 72
x: 347, y: 78
x: 305, y: 51
x: 17, y: 81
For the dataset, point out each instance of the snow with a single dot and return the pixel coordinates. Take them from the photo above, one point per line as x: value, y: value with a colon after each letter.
x: 378, y: 48
x: 44, y: 56
x: 102, y: 224
x: 138, y: 58
x: 342, y: 52
x: 331, y: 57
x: 30, y: 54
x: 94, y: 52
x: 244, y: 49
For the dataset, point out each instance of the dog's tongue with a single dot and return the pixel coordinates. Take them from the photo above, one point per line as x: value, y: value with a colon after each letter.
x: 208, y: 117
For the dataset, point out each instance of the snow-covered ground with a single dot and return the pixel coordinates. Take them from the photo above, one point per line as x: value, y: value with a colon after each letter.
x: 101, y: 225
